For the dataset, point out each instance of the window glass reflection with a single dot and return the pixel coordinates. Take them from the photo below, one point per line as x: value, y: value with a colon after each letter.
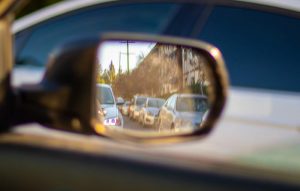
x: 160, y: 88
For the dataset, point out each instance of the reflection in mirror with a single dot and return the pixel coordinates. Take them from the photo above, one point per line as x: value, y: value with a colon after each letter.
x: 153, y: 88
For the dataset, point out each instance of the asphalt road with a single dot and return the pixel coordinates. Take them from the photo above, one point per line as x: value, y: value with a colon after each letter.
x: 134, y: 125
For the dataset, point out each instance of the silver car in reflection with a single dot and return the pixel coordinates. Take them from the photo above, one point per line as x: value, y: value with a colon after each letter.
x: 137, y: 104
x: 182, y: 111
x: 107, y: 107
x: 149, y: 111
x: 125, y: 108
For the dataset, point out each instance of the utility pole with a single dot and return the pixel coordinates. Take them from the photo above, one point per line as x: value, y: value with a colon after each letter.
x: 127, y: 52
x: 120, y: 70
x: 127, y: 57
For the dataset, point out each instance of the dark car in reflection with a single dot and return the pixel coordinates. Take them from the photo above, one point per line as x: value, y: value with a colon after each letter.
x: 182, y: 112
x: 108, y: 107
x: 149, y: 111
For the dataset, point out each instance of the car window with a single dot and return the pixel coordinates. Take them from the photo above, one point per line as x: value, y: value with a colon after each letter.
x: 155, y: 103
x: 191, y: 104
x: 166, y: 103
x: 46, y: 36
x: 261, y: 49
x: 105, y: 95
x: 172, y: 102
x: 187, y: 19
x: 141, y: 100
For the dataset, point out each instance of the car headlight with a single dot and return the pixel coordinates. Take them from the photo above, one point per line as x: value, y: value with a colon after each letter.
x: 102, y: 112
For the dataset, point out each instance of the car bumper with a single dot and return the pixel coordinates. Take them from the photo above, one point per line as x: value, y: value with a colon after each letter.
x: 114, y: 126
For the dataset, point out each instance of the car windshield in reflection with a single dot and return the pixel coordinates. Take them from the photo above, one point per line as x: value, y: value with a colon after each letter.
x: 140, y: 101
x: 104, y: 95
x: 191, y: 104
x: 157, y: 103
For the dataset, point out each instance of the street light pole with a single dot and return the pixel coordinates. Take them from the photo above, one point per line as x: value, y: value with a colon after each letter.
x: 127, y: 52
x: 127, y: 57
x: 119, y: 63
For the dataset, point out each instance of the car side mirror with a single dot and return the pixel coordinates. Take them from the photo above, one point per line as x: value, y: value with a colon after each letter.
x: 62, y: 99
x: 65, y: 98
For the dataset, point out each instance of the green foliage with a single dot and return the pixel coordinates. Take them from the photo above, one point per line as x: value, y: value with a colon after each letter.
x: 112, y: 73
x: 106, y: 76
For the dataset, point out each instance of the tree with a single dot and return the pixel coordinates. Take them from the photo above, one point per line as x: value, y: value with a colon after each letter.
x: 105, y: 77
x: 99, y: 74
x: 120, y: 70
x: 111, y: 73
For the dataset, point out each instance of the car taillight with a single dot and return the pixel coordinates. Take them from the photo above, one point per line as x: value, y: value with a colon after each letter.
x: 113, y: 122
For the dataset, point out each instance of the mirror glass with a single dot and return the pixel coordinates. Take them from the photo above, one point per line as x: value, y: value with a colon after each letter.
x: 152, y: 88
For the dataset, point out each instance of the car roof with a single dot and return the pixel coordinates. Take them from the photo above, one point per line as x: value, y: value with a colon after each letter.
x: 67, y: 6
x: 138, y: 95
x: 104, y: 85
x: 52, y: 11
x: 293, y: 5
x: 191, y: 95
x: 154, y: 98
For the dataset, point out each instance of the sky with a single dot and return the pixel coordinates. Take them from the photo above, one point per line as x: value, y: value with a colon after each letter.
x: 116, y: 51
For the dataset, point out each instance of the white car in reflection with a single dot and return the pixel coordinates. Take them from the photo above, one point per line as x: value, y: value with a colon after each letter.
x: 108, y: 107
x: 182, y: 111
x: 138, y: 102
x: 149, y: 111
x: 125, y: 108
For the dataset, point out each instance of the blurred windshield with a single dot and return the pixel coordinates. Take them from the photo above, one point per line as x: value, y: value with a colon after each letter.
x: 105, y: 95
x: 155, y: 103
x: 191, y: 104
x: 141, y: 100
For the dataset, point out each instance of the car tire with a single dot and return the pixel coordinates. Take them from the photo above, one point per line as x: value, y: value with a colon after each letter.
x: 172, y: 128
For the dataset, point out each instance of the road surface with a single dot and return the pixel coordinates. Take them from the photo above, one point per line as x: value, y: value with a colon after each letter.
x: 134, y: 125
